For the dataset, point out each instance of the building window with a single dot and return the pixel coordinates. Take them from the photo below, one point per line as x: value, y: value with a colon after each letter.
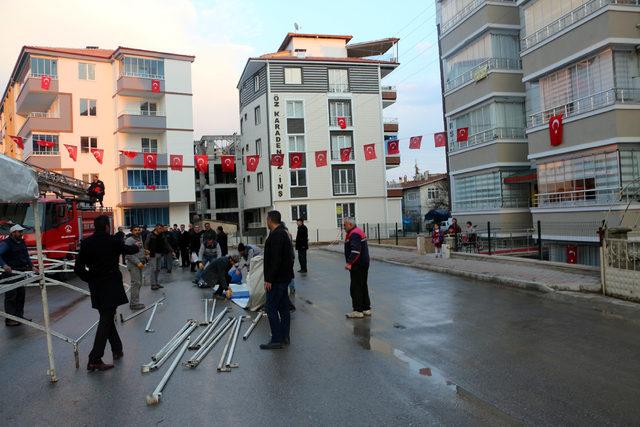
x: 86, y: 71
x: 339, y: 109
x: 344, y: 180
x: 88, y: 177
x: 260, y: 181
x: 141, y: 67
x: 299, y: 212
x: 146, y: 216
x: 259, y: 146
x: 345, y: 210
x: 412, y: 196
x: 256, y: 112
x: 295, y: 110
x: 433, y: 193
x: 44, y: 67
x: 41, y: 149
x: 87, y: 143
x: 88, y: 107
x: 148, y: 108
x: 488, y: 191
x: 298, y: 180
x: 296, y: 144
x: 149, y: 145
x: 292, y: 76
x: 256, y: 83
x: 139, y: 179
x: 338, y: 81
x: 339, y: 141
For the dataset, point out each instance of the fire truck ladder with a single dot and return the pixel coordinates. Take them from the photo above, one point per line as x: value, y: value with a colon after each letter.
x: 59, y: 184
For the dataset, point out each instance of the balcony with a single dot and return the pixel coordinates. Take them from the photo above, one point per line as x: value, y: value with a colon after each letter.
x: 389, y: 95
x: 491, y: 203
x: 55, y: 122
x: 138, y: 161
x: 390, y: 124
x: 392, y: 162
x: 465, y: 12
x: 494, y: 134
x: 136, y: 84
x: 333, y: 121
x: 137, y: 122
x: 587, y: 197
x: 585, y: 105
x: 144, y: 196
x: 481, y: 71
x: 339, y: 88
x: 33, y: 98
x: 344, y: 189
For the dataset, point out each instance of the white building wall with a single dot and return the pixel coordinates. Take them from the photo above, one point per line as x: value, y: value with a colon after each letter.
x: 250, y: 133
x: 177, y: 76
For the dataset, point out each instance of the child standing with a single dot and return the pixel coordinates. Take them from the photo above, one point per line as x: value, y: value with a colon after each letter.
x: 436, y: 238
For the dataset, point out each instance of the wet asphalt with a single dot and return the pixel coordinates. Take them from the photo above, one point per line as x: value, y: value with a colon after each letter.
x: 438, y: 350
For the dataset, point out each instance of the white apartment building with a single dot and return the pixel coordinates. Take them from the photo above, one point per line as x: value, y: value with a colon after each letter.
x: 289, y: 102
x: 113, y: 100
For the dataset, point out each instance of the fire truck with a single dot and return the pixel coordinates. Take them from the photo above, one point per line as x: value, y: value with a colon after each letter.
x: 67, y: 213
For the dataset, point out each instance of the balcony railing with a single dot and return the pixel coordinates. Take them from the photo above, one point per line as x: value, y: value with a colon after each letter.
x: 138, y: 112
x: 584, y: 105
x: 335, y: 153
x: 40, y: 115
x: 124, y: 73
x: 576, y: 15
x: 145, y: 188
x: 481, y: 70
x: 388, y: 88
x: 333, y: 121
x: 344, y: 189
x: 485, y: 203
x: 464, y: 12
x: 338, y: 87
x: 588, y: 197
x: 44, y: 151
x: 31, y: 75
x: 390, y: 120
x: 488, y: 136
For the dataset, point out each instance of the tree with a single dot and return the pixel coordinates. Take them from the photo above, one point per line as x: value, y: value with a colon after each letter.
x: 441, y: 199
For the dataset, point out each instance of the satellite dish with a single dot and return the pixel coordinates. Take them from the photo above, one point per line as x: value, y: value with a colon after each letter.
x: 296, y: 26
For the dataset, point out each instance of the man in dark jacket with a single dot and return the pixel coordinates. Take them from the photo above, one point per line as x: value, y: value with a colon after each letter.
x: 194, y: 244
x: 183, y: 243
x: 172, y: 241
x: 223, y: 240
x: 97, y: 264
x: 96, y: 191
x: 216, y: 273
x: 14, y: 256
x: 356, y: 253
x: 158, y: 248
x: 302, y: 245
x: 278, y: 273
x: 208, y: 232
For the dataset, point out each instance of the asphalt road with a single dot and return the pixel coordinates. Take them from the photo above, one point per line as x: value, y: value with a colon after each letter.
x: 438, y: 350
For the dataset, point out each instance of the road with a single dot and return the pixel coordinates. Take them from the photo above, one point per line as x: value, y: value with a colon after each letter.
x: 438, y: 350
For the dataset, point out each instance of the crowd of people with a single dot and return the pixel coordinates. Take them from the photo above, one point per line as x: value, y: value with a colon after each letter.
x: 466, y: 238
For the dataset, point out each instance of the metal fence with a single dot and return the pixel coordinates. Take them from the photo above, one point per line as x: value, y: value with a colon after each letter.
x: 621, y: 268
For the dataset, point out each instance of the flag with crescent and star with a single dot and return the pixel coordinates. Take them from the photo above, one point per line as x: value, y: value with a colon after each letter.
x: 345, y: 154
x: 440, y: 139
x: 462, y: 134
x: 98, y: 154
x: 555, y: 129
x: 370, y: 151
x: 73, y: 151
x: 151, y: 187
x: 277, y: 160
x: 295, y: 160
x: 252, y: 162
x: 321, y: 158
x: 129, y: 154
x: 342, y: 122
x: 175, y: 161
x: 393, y: 147
x: 201, y: 162
x: 45, y: 82
x: 150, y: 160
x: 44, y: 143
x: 415, y: 142
x: 18, y: 140
x: 155, y: 85
x: 228, y: 164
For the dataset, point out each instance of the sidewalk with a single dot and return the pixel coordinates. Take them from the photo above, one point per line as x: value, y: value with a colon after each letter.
x: 524, y: 277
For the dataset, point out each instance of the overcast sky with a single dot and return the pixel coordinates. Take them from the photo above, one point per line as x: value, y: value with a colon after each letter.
x: 223, y: 33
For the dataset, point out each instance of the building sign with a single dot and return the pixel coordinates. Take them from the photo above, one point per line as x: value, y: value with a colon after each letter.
x: 278, y: 173
x: 480, y: 73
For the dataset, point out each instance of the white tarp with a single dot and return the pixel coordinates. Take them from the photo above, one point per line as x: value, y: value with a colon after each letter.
x: 18, y: 183
x: 255, y: 283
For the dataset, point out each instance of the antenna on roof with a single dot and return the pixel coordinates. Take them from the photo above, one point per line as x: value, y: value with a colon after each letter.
x: 296, y: 26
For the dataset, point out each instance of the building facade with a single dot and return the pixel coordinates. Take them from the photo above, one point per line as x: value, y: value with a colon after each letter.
x: 290, y: 102
x: 509, y: 68
x: 104, y: 99
x: 422, y: 195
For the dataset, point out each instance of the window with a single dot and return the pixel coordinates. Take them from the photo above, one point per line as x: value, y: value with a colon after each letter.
x: 141, y: 67
x: 256, y: 112
x: 149, y: 145
x: 139, y: 179
x: 344, y: 180
x: 259, y: 146
x: 148, y: 108
x: 44, y: 67
x: 86, y: 71
x: 260, y: 181
x: 299, y: 212
x: 497, y: 120
x: 296, y: 144
x: 295, y: 110
x: 345, y: 210
x: 433, y: 193
x: 292, y: 76
x: 339, y: 141
x: 542, y: 12
x: 298, y: 180
x: 41, y: 148
x: 412, y: 196
x: 88, y: 107
x: 487, y: 191
x: 87, y: 143
x: 339, y: 109
x: 146, y: 216
x: 88, y: 177
x: 256, y: 83
x: 338, y: 80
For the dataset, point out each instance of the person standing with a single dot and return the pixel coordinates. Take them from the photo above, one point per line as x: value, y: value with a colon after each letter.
x: 194, y: 246
x: 144, y: 233
x: 183, y: 243
x: 302, y: 245
x: 14, y: 256
x: 169, y: 257
x: 121, y: 236
x: 96, y: 191
x: 97, y: 264
x: 356, y: 253
x: 436, y: 238
x: 208, y: 232
x: 158, y: 248
x: 223, y: 240
x: 135, y: 265
x: 278, y: 273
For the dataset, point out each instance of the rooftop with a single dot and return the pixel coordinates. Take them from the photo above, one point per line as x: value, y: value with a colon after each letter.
x: 419, y: 183
x: 289, y: 36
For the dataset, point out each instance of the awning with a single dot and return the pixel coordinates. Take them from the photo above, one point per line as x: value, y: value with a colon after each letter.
x: 521, y: 179
x: 19, y: 181
x: 371, y: 48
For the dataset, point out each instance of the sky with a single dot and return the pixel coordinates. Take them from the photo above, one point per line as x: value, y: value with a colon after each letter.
x: 222, y: 34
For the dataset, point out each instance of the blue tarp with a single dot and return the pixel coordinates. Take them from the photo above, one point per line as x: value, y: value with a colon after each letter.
x: 437, y: 215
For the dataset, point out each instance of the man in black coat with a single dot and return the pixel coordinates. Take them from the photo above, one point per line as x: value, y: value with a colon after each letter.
x: 96, y: 191
x: 183, y: 242
x: 97, y: 264
x: 159, y: 249
x: 223, y: 240
x: 278, y: 273
x: 14, y: 256
x: 302, y: 245
x: 195, y: 241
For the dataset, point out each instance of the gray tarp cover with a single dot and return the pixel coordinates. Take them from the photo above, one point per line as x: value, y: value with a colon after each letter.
x: 18, y: 183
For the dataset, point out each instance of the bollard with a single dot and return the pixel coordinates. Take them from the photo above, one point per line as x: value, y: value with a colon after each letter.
x: 396, y: 234
x: 378, y: 233
x: 539, y: 241
x: 489, y: 236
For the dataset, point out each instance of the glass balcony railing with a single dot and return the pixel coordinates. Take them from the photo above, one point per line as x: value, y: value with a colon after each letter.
x: 466, y: 11
x: 485, y: 203
x: 577, y: 198
x: 141, y: 74
x: 338, y: 87
x: 497, y: 133
x: 480, y: 71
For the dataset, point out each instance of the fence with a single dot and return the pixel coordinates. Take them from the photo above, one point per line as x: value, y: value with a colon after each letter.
x: 621, y: 268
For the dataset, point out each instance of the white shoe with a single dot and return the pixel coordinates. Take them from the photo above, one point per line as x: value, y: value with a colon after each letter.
x: 367, y: 312
x: 355, y: 315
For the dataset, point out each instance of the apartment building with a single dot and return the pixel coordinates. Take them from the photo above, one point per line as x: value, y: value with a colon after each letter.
x: 112, y: 100
x: 290, y: 102
x: 509, y: 69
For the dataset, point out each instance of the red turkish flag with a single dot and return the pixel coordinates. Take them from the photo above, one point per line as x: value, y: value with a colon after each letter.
x: 45, y: 82
x: 73, y: 151
x: 370, y: 151
x: 572, y: 254
x: 277, y: 160
x: 43, y: 143
x: 201, y: 162
x: 415, y: 142
x: 228, y: 164
x: 462, y: 134
x: 345, y: 154
x: 252, y: 162
x: 393, y: 147
x: 150, y: 160
x: 342, y: 122
x: 155, y: 85
x: 295, y: 160
x: 555, y: 129
x: 19, y: 141
x: 440, y: 139
x: 98, y: 154
x: 129, y: 154
x: 321, y: 158
x: 151, y: 187
x: 175, y: 161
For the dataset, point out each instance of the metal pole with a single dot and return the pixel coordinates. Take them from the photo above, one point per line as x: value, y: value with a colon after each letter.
x: 232, y: 349
x: 252, y: 326
x: 43, y: 292
x: 213, y: 310
x: 539, y: 241
x: 396, y: 234
x: 317, y: 235
x: 154, y: 398
x: 489, y: 236
x: 211, y: 342
x: 138, y: 313
x: 153, y: 313
x: 196, y: 344
x: 160, y: 352
x: 221, y: 367
x: 155, y: 365
x: 378, y: 233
